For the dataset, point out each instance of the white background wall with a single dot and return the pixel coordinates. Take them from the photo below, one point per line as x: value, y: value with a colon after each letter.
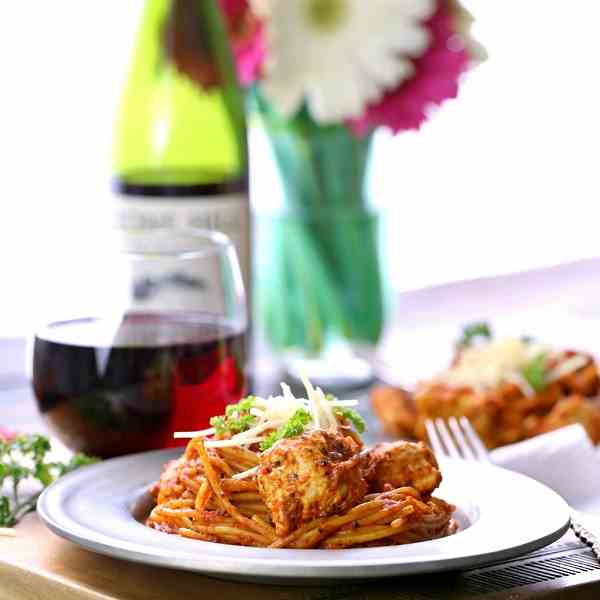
x: 502, y: 180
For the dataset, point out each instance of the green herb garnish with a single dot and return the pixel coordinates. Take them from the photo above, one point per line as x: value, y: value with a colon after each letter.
x: 243, y: 406
x: 292, y: 428
x: 351, y: 415
x: 24, y: 458
x: 534, y: 372
x: 348, y: 414
x: 237, y: 418
x: 471, y: 332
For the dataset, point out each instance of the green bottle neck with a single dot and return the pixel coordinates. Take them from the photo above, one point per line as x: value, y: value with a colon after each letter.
x: 181, y: 124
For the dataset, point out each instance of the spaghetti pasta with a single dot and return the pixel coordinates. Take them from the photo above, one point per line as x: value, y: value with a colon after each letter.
x: 292, y: 499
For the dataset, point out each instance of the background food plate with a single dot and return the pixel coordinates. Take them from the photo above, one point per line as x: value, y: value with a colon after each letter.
x: 501, y: 515
x: 410, y: 353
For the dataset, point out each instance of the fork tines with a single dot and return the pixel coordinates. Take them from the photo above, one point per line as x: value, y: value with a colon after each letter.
x: 455, y: 438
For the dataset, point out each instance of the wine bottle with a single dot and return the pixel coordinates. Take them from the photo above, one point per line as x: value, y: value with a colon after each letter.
x: 180, y: 154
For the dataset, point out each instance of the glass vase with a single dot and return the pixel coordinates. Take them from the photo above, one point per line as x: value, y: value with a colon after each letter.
x: 320, y: 277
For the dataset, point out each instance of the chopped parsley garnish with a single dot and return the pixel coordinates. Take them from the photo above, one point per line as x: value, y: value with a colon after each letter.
x: 237, y: 418
x: 471, y: 332
x: 534, y: 372
x: 23, y: 458
x: 243, y: 406
x: 292, y: 428
x: 351, y: 415
x: 219, y: 424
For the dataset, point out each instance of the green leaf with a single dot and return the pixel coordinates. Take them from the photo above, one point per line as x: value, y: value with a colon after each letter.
x: 35, y: 446
x: 219, y: 424
x: 77, y: 461
x: 6, y: 517
x: 25, y: 458
x: 242, y: 423
x: 17, y: 472
x: 294, y: 427
x: 237, y: 418
x: 534, y: 372
x: 241, y: 407
x: 43, y: 474
x: 40, y: 446
x: 81, y: 460
x: 471, y: 332
x: 270, y: 440
x: 351, y: 415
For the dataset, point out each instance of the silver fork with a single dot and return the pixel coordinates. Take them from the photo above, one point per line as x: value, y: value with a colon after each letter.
x: 458, y: 439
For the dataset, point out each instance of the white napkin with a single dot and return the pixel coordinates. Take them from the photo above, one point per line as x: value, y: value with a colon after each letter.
x: 565, y: 460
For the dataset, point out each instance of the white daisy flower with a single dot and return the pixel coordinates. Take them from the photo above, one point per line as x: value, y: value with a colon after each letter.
x: 340, y: 55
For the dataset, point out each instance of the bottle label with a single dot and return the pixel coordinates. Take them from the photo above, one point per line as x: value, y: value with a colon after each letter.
x: 226, y: 213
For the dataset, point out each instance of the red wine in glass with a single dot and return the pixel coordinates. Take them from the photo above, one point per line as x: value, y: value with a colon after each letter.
x: 109, y: 388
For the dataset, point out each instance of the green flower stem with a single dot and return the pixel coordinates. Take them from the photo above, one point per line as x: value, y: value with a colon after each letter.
x: 323, y: 277
x: 355, y: 250
x: 301, y: 298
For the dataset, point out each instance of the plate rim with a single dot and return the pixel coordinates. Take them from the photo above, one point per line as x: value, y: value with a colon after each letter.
x: 297, y: 564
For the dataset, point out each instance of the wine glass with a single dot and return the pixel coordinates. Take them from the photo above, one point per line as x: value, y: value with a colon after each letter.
x: 153, y: 343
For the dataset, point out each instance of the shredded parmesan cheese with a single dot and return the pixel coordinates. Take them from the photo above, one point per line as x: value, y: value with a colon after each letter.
x: 490, y: 364
x: 522, y: 383
x: 245, y: 474
x: 348, y: 403
x: 570, y: 365
x: 273, y: 412
x: 256, y: 431
x: 185, y: 435
x: 313, y: 406
x: 232, y: 442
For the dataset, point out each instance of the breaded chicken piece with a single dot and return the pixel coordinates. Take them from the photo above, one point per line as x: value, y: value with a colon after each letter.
x: 314, y: 475
x: 396, y: 410
x: 584, y: 381
x: 570, y: 410
x: 401, y: 464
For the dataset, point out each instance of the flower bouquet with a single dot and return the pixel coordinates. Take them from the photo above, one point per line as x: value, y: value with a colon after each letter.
x: 324, y: 75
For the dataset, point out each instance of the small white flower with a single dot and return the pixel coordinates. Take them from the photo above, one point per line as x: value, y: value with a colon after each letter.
x: 340, y: 55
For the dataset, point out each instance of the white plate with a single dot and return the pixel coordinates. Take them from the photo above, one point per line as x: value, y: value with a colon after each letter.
x: 501, y: 515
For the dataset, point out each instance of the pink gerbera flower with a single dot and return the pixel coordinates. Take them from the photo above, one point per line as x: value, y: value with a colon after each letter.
x: 436, y: 79
x: 6, y: 435
x: 247, y: 39
x: 430, y: 77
